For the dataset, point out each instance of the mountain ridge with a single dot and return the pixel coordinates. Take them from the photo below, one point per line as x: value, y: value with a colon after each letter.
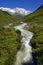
x: 16, y: 11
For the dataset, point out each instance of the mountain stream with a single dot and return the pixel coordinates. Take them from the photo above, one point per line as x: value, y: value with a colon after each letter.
x: 24, y: 55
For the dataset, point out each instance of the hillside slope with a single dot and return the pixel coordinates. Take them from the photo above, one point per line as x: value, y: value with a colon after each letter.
x: 10, y: 43
x: 35, y: 23
x: 10, y: 40
x: 36, y: 16
x: 6, y: 18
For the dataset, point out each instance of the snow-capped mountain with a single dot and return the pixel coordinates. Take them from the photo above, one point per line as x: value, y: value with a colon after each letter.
x: 15, y: 11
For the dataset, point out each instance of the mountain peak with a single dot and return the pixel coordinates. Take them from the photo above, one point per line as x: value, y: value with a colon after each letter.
x: 17, y: 10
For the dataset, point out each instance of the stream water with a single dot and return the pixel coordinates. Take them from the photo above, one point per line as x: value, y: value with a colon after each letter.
x: 24, y: 55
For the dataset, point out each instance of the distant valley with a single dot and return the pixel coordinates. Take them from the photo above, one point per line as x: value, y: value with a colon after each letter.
x: 10, y: 39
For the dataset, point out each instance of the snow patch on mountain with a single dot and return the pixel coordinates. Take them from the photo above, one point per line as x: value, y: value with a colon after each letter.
x: 17, y: 10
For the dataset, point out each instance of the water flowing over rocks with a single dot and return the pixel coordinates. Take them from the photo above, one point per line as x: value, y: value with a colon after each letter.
x: 24, y: 55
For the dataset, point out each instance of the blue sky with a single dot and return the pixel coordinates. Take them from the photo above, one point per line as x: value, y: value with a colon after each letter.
x: 27, y: 4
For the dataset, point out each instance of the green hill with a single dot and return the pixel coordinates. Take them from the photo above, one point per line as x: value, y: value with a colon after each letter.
x: 35, y: 24
x: 10, y: 43
x: 6, y: 18
x: 10, y: 40
x: 36, y: 16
